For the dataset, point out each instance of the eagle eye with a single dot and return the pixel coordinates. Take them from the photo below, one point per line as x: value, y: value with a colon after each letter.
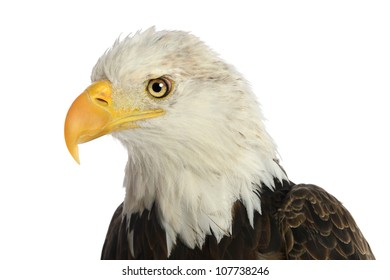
x: 159, y: 87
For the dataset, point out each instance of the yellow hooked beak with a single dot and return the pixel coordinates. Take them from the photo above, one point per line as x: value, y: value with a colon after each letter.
x: 92, y: 115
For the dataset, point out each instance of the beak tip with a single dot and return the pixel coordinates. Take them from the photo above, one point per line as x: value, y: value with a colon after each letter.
x: 75, y: 156
x: 77, y: 160
x: 74, y: 151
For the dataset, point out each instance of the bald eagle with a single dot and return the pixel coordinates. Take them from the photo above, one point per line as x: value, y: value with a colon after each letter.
x: 202, y: 179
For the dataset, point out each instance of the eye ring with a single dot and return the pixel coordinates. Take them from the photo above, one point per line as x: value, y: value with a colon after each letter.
x: 159, y: 87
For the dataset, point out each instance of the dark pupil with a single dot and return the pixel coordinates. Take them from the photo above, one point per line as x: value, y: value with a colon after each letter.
x: 157, y: 87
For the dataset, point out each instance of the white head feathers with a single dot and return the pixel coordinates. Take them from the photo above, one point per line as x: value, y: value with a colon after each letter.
x: 207, y: 151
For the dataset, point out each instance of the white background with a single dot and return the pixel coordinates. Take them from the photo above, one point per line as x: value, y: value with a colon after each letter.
x: 321, y: 70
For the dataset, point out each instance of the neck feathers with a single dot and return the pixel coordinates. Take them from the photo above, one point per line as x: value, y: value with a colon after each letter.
x: 194, y: 199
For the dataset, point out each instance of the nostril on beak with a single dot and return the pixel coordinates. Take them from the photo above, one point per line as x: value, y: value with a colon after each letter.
x: 101, y: 101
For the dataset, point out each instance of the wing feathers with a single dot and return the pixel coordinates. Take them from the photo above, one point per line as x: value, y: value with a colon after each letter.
x: 316, y: 225
x: 297, y: 222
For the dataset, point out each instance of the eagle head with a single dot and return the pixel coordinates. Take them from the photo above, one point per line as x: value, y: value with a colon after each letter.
x: 193, y: 130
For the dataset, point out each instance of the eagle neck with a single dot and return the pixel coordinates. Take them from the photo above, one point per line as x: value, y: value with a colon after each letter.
x: 194, y: 199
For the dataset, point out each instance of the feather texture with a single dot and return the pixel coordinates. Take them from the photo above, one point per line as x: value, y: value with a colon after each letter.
x: 319, y: 227
x: 202, y: 181
x: 297, y: 222
x: 196, y: 161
